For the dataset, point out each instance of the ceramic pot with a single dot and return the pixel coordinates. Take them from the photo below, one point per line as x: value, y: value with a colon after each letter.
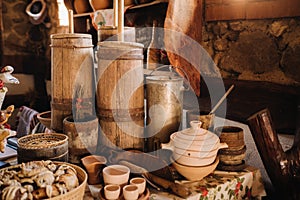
x: 94, y: 165
x: 195, y: 139
x: 101, y: 4
x: 116, y: 174
x: 82, y: 6
x: 195, y: 173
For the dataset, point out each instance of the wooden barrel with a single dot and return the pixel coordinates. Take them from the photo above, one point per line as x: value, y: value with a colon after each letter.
x: 72, y: 76
x: 120, y: 94
x: 43, y: 146
x: 83, y: 137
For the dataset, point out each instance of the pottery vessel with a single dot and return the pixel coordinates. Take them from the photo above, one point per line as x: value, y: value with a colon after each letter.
x: 195, y: 173
x: 194, y: 146
x: 116, y: 174
x: 94, y: 165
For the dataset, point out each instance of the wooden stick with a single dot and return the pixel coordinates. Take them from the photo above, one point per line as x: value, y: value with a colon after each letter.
x: 71, y: 21
x: 121, y: 20
x: 115, y: 13
x: 221, y: 100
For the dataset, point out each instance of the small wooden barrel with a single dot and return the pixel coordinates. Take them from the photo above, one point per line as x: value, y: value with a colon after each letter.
x: 231, y: 135
x: 120, y: 94
x: 43, y: 146
x: 110, y: 33
x: 72, y: 76
x: 83, y: 137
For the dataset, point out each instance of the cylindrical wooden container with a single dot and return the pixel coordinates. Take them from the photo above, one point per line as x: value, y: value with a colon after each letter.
x: 43, y: 146
x: 120, y: 94
x: 72, y: 76
x: 83, y: 137
x: 110, y: 33
x: 164, y: 97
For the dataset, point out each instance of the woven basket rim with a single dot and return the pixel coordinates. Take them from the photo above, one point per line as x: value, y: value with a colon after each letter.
x: 35, y: 141
x: 78, y: 192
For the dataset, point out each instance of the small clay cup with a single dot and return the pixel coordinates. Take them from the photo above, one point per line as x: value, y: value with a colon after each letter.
x: 140, y: 183
x: 94, y: 165
x: 112, y: 192
x: 130, y: 192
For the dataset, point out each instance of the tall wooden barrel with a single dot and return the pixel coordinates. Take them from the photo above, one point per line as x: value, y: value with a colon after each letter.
x: 120, y: 94
x: 72, y: 77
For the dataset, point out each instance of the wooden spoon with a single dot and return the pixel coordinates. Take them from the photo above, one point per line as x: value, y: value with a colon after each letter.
x: 222, y: 99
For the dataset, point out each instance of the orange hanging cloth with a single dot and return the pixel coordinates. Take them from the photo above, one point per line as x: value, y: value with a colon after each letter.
x: 183, y: 28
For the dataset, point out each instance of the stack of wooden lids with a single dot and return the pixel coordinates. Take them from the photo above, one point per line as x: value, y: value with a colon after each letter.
x: 231, y: 158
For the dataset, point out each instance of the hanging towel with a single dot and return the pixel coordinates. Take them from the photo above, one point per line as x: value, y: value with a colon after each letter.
x: 26, y: 121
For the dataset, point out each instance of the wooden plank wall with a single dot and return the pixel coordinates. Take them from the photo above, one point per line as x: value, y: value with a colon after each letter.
x: 250, y: 9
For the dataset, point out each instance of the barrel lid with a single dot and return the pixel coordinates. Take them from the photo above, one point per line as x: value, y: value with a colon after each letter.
x: 108, y: 28
x: 70, y: 35
x: 120, y: 44
x: 164, y: 78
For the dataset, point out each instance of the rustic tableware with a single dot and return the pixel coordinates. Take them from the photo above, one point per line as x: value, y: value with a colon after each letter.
x: 45, y: 118
x: 100, y: 4
x: 232, y: 135
x: 195, y: 173
x: 94, y: 165
x: 116, y: 174
x: 130, y: 192
x: 112, y: 192
x: 140, y: 183
x: 82, y: 6
x: 202, y: 151
x: 194, y: 152
x: 193, y: 161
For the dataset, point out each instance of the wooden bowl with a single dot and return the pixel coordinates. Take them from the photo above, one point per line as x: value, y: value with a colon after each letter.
x: 195, y: 173
x: 101, y: 4
x: 82, y: 6
x: 45, y: 118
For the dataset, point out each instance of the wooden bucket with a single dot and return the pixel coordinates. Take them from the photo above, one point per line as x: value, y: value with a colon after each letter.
x: 83, y: 137
x: 43, y: 146
x: 72, y: 76
x: 111, y: 33
x: 120, y: 94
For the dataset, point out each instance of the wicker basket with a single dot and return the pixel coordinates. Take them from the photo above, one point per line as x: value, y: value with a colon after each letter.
x: 43, y: 146
x: 75, y: 194
x: 42, y: 140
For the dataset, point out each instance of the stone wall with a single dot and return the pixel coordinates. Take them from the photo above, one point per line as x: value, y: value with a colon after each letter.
x: 20, y: 36
x: 265, y: 50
